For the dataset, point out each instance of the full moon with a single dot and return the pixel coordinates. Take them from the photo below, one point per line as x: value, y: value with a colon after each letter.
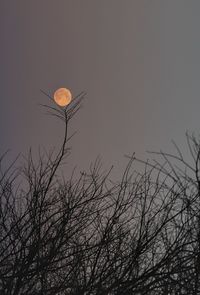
x: 62, y: 97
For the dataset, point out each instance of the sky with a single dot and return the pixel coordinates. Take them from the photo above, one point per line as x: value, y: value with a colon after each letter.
x: 138, y: 61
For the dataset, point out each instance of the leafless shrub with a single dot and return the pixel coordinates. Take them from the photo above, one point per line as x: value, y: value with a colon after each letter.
x: 89, y: 235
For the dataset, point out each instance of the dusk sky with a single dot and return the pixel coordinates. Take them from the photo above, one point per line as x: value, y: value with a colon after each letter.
x: 137, y: 60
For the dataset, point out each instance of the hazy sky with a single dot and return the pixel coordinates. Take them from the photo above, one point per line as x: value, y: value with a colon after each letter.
x: 137, y: 60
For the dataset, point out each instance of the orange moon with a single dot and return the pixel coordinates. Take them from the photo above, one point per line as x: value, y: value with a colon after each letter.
x: 62, y: 97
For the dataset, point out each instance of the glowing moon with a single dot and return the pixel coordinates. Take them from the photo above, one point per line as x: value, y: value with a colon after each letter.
x: 62, y: 97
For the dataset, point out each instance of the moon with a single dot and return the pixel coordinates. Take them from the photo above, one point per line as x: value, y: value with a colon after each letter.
x: 62, y: 96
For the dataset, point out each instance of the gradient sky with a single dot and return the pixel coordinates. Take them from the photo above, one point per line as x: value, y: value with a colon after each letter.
x: 137, y: 60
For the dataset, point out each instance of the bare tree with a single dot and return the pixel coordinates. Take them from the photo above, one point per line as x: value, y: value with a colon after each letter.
x: 185, y: 174
x: 90, y: 235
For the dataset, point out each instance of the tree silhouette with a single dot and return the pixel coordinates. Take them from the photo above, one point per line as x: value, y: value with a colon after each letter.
x: 90, y: 235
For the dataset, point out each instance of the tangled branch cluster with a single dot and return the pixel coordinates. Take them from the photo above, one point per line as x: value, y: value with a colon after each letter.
x: 92, y: 236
